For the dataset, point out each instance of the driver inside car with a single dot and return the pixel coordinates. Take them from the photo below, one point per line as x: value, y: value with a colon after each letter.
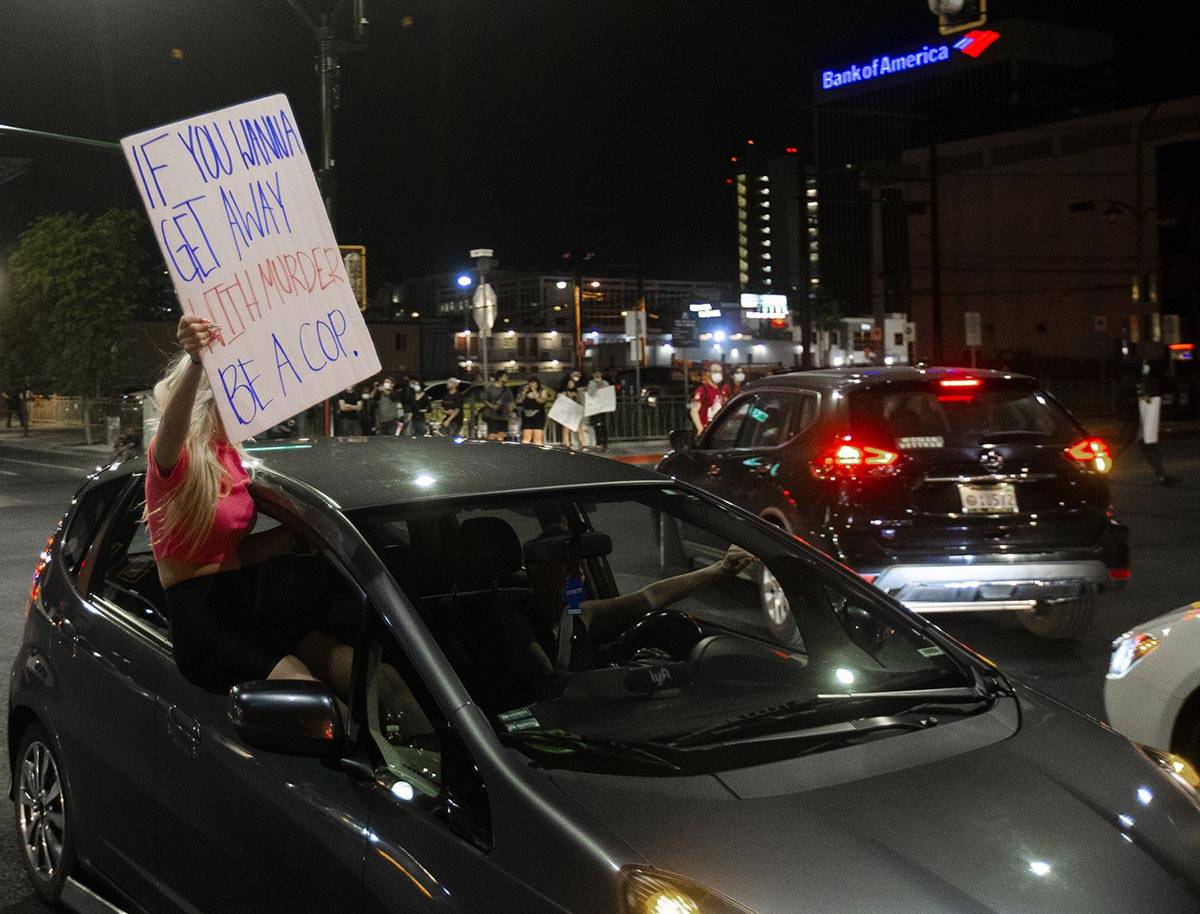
x: 557, y: 628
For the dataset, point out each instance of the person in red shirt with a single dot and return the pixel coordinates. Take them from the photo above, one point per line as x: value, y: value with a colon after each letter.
x: 225, y: 627
x: 708, y: 398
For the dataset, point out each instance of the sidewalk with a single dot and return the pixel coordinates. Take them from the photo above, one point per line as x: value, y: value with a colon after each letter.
x: 53, y: 439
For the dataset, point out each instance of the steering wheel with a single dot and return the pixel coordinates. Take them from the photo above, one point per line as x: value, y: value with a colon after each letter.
x: 669, y: 629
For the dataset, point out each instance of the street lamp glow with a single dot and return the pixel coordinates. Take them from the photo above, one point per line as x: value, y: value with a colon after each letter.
x: 463, y: 280
x: 595, y: 284
x: 561, y: 284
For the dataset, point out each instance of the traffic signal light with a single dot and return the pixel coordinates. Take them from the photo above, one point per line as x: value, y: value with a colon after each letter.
x: 958, y: 15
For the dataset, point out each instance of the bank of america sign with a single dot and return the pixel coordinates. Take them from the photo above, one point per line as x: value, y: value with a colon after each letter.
x: 972, y: 45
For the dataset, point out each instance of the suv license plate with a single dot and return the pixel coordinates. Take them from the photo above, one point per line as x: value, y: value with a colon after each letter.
x: 997, y: 499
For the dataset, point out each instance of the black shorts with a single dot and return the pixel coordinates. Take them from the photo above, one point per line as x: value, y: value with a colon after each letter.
x: 235, y: 626
x: 537, y: 423
x: 497, y: 426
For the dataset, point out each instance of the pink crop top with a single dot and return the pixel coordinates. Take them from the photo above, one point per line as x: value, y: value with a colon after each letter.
x: 235, y: 511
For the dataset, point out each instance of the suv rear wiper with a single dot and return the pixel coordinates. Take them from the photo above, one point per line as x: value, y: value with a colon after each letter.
x: 560, y: 742
x: 771, y: 718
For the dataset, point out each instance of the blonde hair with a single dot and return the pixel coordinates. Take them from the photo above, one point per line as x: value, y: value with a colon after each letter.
x: 188, y: 510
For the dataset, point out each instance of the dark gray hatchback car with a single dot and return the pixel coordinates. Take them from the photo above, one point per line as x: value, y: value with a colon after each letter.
x: 679, y: 754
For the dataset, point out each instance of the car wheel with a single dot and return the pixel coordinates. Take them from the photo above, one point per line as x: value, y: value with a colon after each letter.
x: 42, y: 814
x: 1068, y: 619
x: 777, y: 612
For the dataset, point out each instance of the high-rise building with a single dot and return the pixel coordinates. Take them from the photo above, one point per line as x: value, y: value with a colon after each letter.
x: 767, y: 203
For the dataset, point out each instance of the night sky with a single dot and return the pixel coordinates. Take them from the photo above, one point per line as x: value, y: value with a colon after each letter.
x: 530, y: 126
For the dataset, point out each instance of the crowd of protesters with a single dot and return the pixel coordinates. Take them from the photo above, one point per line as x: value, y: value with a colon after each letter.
x: 405, y: 407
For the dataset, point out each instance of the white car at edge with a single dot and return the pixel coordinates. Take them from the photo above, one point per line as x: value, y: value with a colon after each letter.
x: 1152, y: 689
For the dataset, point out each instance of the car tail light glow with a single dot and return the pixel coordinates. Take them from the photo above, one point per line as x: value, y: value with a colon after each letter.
x: 960, y: 382
x: 1119, y: 574
x: 1092, y: 450
x: 849, y: 458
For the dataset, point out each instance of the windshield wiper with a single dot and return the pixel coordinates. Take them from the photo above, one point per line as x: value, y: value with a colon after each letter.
x: 559, y: 742
x: 772, y: 718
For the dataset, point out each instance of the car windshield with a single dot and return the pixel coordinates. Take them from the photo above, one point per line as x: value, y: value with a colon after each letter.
x: 931, y: 415
x: 638, y: 626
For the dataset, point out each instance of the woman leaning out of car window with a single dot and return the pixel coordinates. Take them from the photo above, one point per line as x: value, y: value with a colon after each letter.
x: 225, y: 628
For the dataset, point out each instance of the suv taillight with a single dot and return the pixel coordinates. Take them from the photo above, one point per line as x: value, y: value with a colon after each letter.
x: 1093, y: 451
x: 849, y: 458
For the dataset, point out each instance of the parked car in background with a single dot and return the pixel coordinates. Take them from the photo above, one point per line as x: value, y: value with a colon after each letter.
x: 951, y: 490
x: 680, y: 755
x: 1152, y: 690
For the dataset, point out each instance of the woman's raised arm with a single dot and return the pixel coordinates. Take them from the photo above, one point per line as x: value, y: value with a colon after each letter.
x: 193, y: 334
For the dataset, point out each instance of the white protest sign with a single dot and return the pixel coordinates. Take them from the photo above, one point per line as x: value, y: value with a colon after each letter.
x: 1150, y: 414
x: 603, y: 400
x: 235, y: 206
x: 566, y: 412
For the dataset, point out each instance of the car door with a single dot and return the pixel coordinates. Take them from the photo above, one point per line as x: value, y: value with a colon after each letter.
x: 108, y: 658
x: 709, y: 461
x: 247, y: 830
x: 763, y: 474
x: 430, y: 820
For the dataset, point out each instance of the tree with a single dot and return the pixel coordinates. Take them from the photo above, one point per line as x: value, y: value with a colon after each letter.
x: 75, y: 285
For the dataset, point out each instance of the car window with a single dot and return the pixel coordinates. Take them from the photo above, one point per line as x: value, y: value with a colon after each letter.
x: 86, y: 520
x: 805, y: 412
x: 666, y: 584
x: 959, y: 416
x: 397, y: 724
x: 128, y: 573
x: 728, y: 425
x: 767, y: 421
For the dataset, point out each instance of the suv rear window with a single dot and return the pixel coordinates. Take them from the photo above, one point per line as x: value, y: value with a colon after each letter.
x: 931, y: 416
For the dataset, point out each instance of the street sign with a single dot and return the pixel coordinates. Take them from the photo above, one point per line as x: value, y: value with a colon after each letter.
x: 635, y: 324
x: 482, y: 252
x: 483, y: 308
x: 973, y: 327
x: 684, y: 332
x: 354, y: 257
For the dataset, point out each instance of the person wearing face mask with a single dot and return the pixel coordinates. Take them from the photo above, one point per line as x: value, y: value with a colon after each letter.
x: 708, y: 398
x: 387, y: 411
x: 421, y: 405
x: 739, y: 380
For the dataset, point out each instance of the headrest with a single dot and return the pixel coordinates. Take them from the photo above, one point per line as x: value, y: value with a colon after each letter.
x: 566, y: 547
x: 489, y: 547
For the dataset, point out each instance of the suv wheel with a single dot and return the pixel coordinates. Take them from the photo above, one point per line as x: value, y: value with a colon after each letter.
x: 41, y: 814
x: 1068, y: 619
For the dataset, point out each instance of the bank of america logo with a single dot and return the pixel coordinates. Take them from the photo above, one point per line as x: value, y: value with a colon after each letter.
x: 975, y: 43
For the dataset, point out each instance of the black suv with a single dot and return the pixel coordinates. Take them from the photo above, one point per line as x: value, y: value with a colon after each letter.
x: 950, y: 489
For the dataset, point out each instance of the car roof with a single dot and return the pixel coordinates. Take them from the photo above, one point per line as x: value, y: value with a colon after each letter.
x: 866, y: 375
x: 357, y: 473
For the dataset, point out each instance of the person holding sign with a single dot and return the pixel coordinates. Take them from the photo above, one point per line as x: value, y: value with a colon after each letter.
x: 599, y: 419
x: 225, y: 627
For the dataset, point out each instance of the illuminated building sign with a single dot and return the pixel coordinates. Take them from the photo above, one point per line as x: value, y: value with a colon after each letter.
x: 704, y: 309
x: 764, y: 307
x: 885, y: 65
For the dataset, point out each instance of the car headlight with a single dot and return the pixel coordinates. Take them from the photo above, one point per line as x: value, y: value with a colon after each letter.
x: 1128, y: 650
x: 646, y: 891
x: 1176, y: 767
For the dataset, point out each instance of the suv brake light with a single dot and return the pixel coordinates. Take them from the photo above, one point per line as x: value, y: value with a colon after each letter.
x: 1092, y: 450
x: 848, y: 458
x: 960, y: 382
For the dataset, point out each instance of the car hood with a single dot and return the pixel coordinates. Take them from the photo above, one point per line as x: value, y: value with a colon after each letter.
x: 1164, y: 626
x: 1063, y: 815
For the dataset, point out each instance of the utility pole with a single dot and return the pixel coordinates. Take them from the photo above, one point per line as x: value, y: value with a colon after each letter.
x: 328, y: 49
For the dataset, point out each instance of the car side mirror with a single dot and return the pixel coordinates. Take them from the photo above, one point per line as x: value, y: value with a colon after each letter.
x: 681, y: 439
x: 292, y: 716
